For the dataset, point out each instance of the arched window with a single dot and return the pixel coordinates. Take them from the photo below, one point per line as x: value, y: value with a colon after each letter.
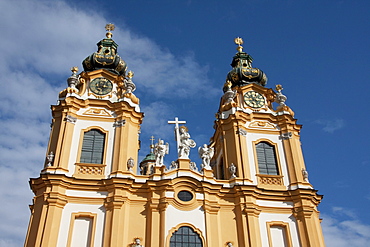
x: 185, y: 237
x: 266, y: 157
x: 93, y: 147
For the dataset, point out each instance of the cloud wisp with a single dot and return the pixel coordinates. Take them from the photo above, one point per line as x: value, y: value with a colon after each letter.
x: 331, y: 126
x: 342, y: 228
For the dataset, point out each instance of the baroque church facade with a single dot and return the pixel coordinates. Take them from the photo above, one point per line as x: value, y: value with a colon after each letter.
x: 252, y: 189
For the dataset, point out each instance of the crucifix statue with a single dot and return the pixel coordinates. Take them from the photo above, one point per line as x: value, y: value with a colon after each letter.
x: 183, y: 141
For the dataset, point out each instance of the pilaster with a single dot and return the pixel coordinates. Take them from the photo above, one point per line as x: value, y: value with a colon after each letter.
x: 126, y: 137
x: 252, y: 213
x: 60, y: 141
x: 293, y: 153
x: 113, y: 235
x: 211, y: 210
x: 56, y: 203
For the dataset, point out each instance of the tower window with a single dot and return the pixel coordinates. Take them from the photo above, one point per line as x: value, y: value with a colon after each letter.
x: 185, y: 237
x: 266, y: 157
x: 93, y: 147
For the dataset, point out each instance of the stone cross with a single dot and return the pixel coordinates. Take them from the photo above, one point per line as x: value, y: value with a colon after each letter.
x: 177, y: 132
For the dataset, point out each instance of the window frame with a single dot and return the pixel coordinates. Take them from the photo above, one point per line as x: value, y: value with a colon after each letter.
x: 277, y: 157
x: 92, y: 230
x: 82, y: 134
x: 172, y: 231
x: 282, y: 224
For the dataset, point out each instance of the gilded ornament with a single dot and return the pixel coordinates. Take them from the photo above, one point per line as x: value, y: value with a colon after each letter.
x: 130, y: 74
x: 279, y: 87
x: 109, y: 27
x: 228, y: 84
x: 239, y: 42
x: 74, y: 69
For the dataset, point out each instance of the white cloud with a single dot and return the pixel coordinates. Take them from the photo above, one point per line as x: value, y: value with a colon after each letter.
x: 331, y: 125
x: 156, y: 116
x: 343, y: 233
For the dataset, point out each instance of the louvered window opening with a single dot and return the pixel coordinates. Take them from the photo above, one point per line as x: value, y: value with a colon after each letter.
x: 93, y: 147
x: 185, y: 237
x: 266, y: 157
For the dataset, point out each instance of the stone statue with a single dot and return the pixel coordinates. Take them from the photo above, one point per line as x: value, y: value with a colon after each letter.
x: 185, y: 143
x: 232, y: 170
x: 50, y: 158
x: 130, y: 164
x: 305, y: 175
x: 174, y: 165
x: 193, y: 166
x: 160, y: 150
x: 206, y: 154
x: 137, y: 243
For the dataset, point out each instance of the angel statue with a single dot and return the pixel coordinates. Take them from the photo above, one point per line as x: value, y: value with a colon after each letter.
x: 160, y: 150
x: 185, y: 143
x: 206, y: 154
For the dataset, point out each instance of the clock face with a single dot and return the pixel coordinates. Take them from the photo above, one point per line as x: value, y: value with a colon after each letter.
x: 254, y: 99
x: 101, y: 86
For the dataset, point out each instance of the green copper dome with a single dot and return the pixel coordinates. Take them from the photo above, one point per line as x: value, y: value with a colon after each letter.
x: 242, y: 72
x: 106, y: 57
x: 149, y: 157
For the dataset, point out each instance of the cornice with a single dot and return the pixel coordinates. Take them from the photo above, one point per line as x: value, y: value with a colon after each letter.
x: 72, y: 105
x: 121, y: 189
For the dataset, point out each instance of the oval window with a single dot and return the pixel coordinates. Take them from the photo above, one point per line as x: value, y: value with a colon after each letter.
x: 185, y: 196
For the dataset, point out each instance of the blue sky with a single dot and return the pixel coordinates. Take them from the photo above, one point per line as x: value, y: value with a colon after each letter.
x: 180, y: 52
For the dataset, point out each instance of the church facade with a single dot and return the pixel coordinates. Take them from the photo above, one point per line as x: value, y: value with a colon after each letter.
x: 252, y: 188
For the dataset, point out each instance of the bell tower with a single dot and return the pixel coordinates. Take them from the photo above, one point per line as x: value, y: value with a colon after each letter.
x: 258, y: 144
x: 94, y: 136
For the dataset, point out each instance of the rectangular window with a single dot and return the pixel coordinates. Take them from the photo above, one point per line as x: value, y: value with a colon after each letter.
x: 266, y: 157
x: 93, y: 147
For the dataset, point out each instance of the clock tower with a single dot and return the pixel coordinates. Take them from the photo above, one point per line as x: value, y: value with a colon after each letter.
x: 94, y: 140
x: 250, y: 190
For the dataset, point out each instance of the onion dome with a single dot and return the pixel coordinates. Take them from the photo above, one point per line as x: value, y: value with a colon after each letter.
x: 106, y: 57
x: 242, y: 72
x: 148, y: 157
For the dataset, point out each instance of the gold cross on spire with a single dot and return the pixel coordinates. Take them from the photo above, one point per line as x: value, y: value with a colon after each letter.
x: 109, y: 27
x: 152, y: 145
x: 239, y: 42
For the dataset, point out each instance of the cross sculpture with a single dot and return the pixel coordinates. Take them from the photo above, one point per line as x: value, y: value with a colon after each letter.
x: 177, y: 131
x: 184, y: 143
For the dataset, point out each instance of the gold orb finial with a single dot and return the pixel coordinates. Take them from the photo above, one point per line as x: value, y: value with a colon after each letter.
x: 239, y: 42
x: 228, y: 84
x: 109, y: 27
x: 130, y: 74
x: 74, y: 69
x: 279, y: 87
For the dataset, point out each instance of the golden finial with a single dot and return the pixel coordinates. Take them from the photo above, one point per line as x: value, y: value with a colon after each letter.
x: 130, y: 74
x: 74, y: 69
x: 279, y: 87
x: 228, y: 84
x: 239, y: 42
x: 109, y: 27
x: 152, y: 139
